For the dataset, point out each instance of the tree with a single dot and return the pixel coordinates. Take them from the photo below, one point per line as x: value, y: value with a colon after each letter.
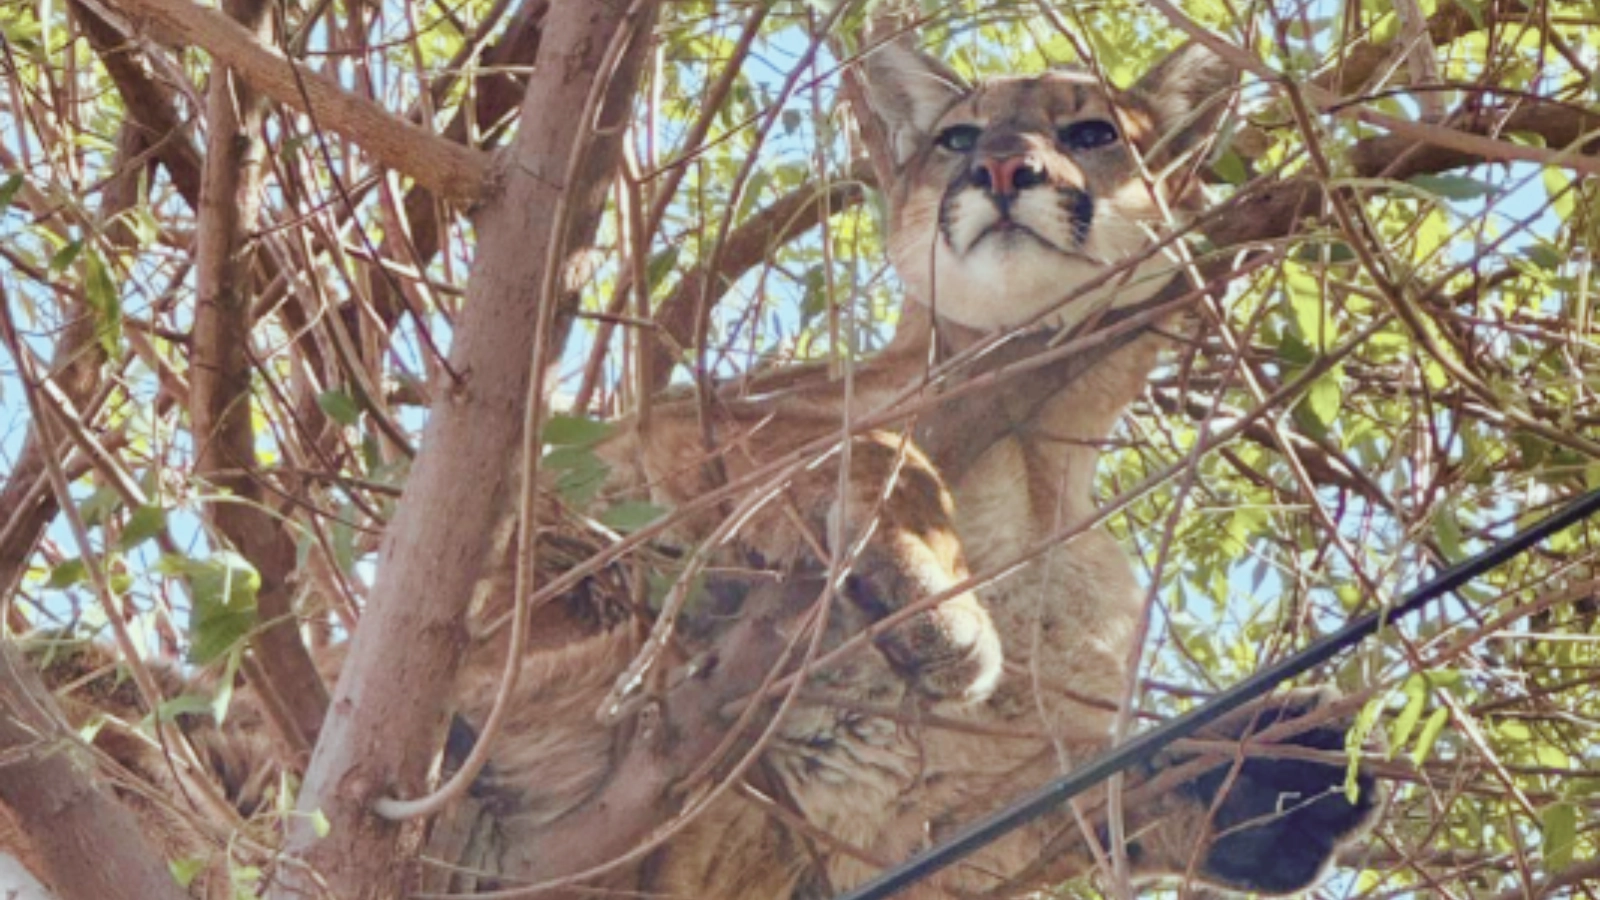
x: 238, y: 433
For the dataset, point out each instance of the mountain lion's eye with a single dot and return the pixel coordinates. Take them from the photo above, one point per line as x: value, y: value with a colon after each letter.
x: 1087, y: 135
x: 959, y: 138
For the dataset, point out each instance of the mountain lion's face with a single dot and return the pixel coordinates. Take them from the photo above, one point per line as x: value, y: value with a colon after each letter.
x: 1016, y: 193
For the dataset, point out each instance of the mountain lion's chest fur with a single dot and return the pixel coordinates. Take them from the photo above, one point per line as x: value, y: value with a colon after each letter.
x: 986, y: 242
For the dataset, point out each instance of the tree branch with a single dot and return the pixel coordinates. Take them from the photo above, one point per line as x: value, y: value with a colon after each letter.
x: 386, y: 706
x: 755, y: 240
x: 497, y: 93
x: 1397, y: 156
x: 1358, y: 63
x: 151, y: 106
x: 446, y: 168
x: 220, y: 370
x: 1325, y: 101
x: 78, y: 359
x: 96, y: 848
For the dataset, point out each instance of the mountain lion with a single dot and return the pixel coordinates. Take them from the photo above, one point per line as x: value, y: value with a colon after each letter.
x: 1012, y: 195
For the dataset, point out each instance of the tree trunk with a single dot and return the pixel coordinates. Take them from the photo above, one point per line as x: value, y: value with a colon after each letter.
x: 225, y: 451
x: 390, y: 706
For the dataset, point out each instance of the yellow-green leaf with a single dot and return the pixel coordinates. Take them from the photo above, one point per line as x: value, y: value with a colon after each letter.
x: 1429, y: 734
x: 143, y: 524
x: 104, y: 302
x: 1559, y: 823
x: 1416, y: 690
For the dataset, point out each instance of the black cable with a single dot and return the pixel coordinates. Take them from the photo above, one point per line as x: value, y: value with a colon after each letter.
x: 1143, y: 747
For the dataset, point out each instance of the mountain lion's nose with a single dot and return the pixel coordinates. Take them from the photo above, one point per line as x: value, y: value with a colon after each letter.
x: 1005, y: 176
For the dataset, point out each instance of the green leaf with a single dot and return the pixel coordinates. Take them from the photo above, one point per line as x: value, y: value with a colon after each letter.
x: 1559, y: 823
x: 570, y: 459
x: 8, y: 190
x: 660, y: 265
x: 1304, y: 296
x: 1429, y: 734
x: 61, y: 259
x: 1447, y: 531
x: 339, y: 407
x: 1563, y: 198
x: 183, y: 705
x: 1230, y: 167
x: 631, y: 515
x: 574, y: 431
x: 1416, y: 690
x: 184, y: 871
x: 1452, y: 187
x: 1544, y: 256
x: 1323, y: 400
x: 1385, y: 29
x: 582, y: 473
x: 1354, y: 740
x: 320, y: 824
x: 223, y: 700
x: 244, y: 880
x: 97, y: 506
x: 1550, y: 755
x: 579, y: 486
x: 371, y: 452
x: 751, y: 193
x: 224, y: 588
x: 343, y: 537
x: 67, y: 574
x: 1326, y: 253
x: 144, y: 523
x: 815, y: 301
x: 104, y: 302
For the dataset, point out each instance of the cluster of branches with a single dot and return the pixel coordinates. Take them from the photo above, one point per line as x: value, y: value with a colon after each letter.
x: 236, y: 238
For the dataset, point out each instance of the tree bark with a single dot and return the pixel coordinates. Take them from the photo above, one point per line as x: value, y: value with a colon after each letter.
x: 224, y: 435
x: 95, y: 847
x: 449, y: 169
x: 151, y: 104
x: 390, y: 705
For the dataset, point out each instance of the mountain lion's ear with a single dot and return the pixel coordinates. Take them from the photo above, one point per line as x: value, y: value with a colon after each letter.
x: 1187, y: 92
x: 909, y: 90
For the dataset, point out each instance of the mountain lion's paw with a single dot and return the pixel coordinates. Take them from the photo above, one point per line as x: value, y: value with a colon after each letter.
x: 1282, y: 820
x: 951, y: 652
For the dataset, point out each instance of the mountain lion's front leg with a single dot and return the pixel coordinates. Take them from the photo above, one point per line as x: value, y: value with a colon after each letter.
x: 951, y: 649
x: 892, y: 521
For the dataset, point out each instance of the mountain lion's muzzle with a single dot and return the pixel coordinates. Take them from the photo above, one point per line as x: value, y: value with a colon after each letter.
x: 1015, y: 190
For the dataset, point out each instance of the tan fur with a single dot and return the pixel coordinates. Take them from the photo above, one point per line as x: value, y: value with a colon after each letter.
x: 1067, y: 621
x: 882, y: 786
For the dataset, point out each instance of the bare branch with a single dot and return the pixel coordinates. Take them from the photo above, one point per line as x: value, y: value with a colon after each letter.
x: 753, y: 241
x: 220, y: 370
x: 449, y: 169
x: 1401, y: 156
x: 96, y: 848
x: 1459, y: 140
x: 152, y: 107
